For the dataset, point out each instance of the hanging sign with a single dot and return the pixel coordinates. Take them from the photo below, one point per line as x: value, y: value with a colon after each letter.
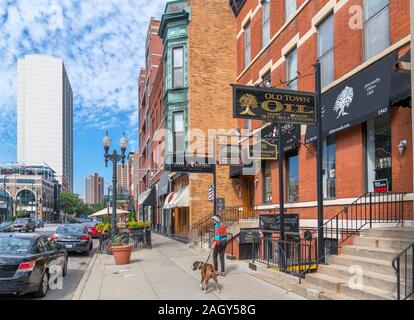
x: 263, y: 151
x: 183, y: 163
x: 290, y: 135
x: 221, y: 204
x: 273, y: 105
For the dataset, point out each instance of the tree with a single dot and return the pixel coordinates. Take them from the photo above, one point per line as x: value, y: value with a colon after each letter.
x: 21, y: 212
x: 70, y: 203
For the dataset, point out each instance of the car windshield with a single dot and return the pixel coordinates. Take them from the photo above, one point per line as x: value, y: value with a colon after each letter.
x: 24, y: 220
x: 14, y: 246
x: 70, y: 229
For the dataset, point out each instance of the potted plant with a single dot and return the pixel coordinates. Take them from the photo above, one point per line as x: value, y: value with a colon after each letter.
x: 121, y: 252
x: 139, y: 227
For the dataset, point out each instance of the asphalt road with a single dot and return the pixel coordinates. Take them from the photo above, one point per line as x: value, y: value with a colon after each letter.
x: 78, y: 264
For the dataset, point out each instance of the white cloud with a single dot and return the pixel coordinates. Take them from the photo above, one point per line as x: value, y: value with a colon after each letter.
x: 102, y: 45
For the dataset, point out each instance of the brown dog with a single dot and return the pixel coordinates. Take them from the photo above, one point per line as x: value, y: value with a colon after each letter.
x: 207, y: 273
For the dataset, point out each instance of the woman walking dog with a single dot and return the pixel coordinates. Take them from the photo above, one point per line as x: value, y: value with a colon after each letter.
x: 219, y: 245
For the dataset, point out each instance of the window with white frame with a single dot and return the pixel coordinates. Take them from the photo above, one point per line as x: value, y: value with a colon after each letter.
x: 265, y: 22
x: 178, y: 132
x: 247, y: 44
x: 376, y: 26
x: 178, y: 67
x: 290, y: 9
x: 326, y: 50
x: 292, y: 69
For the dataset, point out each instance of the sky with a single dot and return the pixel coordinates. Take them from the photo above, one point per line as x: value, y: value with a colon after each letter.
x: 102, y: 44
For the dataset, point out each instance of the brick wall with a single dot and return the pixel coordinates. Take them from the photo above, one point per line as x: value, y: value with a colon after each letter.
x: 212, y: 68
x: 348, y: 54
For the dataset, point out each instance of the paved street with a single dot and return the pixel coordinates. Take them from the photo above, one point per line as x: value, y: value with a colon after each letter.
x: 78, y: 264
x: 164, y: 272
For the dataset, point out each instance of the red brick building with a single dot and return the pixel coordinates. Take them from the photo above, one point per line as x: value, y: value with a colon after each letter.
x: 150, y: 114
x: 279, y: 41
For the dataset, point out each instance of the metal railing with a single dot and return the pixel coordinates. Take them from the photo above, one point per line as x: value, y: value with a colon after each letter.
x: 362, y: 213
x: 403, y: 264
x: 285, y: 255
x: 201, y: 230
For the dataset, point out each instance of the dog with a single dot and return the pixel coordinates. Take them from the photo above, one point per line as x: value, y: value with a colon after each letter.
x: 207, y: 273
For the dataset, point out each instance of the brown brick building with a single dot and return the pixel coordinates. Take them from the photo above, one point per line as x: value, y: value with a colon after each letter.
x: 199, y: 66
x: 279, y: 41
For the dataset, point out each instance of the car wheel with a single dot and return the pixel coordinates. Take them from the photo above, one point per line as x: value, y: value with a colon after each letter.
x: 65, y: 268
x: 43, y: 286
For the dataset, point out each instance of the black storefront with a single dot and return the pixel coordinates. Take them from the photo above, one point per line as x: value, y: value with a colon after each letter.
x: 163, y: 214
x: 365, y: 98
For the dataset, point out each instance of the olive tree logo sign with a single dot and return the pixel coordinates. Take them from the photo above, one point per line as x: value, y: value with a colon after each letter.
x: 343, y: 101
x: 249, y: 102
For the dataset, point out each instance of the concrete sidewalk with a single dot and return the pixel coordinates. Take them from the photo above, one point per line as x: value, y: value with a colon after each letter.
x: 164, y: 272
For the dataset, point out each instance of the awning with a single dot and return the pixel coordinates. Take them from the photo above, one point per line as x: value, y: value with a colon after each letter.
x: 147, y: 198
x: 178, y: 199
x: 104, y: 212
x: 401, y: 85
x: 364, y: 96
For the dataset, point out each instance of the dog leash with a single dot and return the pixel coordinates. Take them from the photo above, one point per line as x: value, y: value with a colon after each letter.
x: 208, y: 258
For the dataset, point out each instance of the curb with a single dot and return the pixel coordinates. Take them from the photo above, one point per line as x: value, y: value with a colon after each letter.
x: 79, y: 290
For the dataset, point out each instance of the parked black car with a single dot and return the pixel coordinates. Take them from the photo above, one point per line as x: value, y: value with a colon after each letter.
x: 27, y: 262
x: 39, y: 223
x: 23, y: 224
x: 5, y: 227
x: 74, y: 237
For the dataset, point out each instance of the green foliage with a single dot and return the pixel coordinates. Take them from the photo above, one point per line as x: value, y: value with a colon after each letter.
x: 131, y: 217
x: 21, y: 212
x: 138, y: 225
x: 117, y: 241
x: 70, y: 203
x: 104, y: 227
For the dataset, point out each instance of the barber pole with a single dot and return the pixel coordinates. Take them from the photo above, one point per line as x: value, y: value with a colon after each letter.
x: 210, y: 194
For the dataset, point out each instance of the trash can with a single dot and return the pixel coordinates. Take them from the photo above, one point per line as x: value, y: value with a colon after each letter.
x: 148, y: 238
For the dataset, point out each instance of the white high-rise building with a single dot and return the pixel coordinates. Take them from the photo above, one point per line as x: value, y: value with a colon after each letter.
x: 45, y: 116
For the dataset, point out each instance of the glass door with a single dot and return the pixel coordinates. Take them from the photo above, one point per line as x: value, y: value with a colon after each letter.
x: 379, y: 164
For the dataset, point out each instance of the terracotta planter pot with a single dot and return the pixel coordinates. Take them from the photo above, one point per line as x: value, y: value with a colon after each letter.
x: 122, y: 254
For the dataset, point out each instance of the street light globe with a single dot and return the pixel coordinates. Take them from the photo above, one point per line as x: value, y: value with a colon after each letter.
x: 106, y: 140
x: 123, y: 142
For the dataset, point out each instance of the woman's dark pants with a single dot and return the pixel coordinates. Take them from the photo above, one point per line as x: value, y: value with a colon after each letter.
x: 219, y: 250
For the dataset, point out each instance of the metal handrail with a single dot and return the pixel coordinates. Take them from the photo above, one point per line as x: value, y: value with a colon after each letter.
x: 396, y: 265
x: 368, y: 209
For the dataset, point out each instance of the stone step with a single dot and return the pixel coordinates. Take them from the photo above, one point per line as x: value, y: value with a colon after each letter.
x: 398, y: 233
x: 313, y: 292
x: 371, y: 279
x: 339, y: 286
x: 367, y: 264
x: 374, y: 253
x: 377, y: 242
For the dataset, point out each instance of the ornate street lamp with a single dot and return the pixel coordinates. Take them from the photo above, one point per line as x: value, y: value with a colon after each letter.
x: 115, y: 158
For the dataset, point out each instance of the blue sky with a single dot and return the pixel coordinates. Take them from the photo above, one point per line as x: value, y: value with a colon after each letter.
x: 102, y: 43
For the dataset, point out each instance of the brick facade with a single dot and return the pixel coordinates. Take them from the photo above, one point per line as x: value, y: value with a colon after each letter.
x: 300, y: 32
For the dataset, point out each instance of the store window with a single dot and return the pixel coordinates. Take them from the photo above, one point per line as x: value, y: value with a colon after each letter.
x: 292, y: 178
x: 265, y: 22
x: 329, y: 167
x: 326, y: 50
x: 376, y: 26
x: 379, y: 151
x: 267, y: 181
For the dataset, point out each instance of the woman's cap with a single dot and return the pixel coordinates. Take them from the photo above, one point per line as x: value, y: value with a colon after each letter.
x: 216, y: 218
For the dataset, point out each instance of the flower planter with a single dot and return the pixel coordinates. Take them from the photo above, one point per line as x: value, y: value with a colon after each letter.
x: 122, y: 254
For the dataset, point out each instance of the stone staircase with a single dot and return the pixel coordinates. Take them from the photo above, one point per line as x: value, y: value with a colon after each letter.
x: 361, y: 271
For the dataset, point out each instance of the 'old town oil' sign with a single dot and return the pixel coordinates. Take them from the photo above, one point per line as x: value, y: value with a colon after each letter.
x: 273, y: 105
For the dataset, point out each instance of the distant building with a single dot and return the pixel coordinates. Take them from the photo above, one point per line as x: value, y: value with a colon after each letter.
x: 94, y: 189
x: 29, y: 188
x: 45, y: 116
x: 122, y: 186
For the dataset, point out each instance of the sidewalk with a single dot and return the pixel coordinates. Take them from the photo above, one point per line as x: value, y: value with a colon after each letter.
x: 164, y: 272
